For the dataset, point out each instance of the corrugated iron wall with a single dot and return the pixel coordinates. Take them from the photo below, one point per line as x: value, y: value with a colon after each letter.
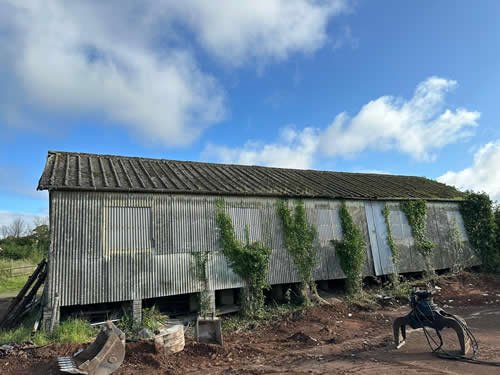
x: 86, y: 266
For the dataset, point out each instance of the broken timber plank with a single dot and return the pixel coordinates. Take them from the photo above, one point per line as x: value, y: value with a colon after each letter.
x: 22, y: 293
x: 19, y: 312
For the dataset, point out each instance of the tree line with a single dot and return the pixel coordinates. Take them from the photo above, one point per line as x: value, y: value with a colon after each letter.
x: 22, y: 241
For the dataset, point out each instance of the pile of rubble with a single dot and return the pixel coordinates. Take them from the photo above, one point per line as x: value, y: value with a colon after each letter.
x: 16, y: 349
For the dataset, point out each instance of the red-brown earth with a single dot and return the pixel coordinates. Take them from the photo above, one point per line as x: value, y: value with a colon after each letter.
x: 335, y: 339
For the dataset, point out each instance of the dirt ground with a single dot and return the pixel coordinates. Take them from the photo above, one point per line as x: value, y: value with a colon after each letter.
x: 335, y: 339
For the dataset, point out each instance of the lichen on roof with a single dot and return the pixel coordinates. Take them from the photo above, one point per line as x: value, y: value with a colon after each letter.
x: 81, y: 171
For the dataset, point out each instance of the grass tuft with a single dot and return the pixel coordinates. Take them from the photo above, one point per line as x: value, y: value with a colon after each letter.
x: 269, y: 313
x: 72, y: 330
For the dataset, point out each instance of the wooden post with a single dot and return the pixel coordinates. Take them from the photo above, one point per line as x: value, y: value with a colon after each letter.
x: 54, y: 321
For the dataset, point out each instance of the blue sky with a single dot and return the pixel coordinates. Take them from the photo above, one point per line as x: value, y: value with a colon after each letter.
x: 390, y: 87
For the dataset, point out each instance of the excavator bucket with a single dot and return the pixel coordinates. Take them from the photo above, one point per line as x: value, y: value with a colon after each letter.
x: 208, y: 330
x: 102, y: 357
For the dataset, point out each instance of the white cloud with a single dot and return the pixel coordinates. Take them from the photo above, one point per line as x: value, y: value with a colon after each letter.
x: 418, y: 126
x: 132, y: 62
x: 88, y: 58
x: 295, y: 149
x: 263, y: 29
x: 482, y: 175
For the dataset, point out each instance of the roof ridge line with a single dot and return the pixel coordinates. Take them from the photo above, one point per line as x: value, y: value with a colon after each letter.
x: 226, y: 164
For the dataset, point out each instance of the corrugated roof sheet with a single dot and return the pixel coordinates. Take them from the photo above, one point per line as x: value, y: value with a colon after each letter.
x: 79, y: 171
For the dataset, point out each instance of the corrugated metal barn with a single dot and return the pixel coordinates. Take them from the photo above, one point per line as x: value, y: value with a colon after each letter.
x: 125, y: 228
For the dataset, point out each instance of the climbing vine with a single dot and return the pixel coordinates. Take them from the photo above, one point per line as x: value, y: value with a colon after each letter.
x: 249, y: 261
x: 390, y: 240
x: 479, y: 221
x: 198, y: 268
x: 416, y: 213
x: 351, y: 251
x: 299, y: 240
x: 392, y: 245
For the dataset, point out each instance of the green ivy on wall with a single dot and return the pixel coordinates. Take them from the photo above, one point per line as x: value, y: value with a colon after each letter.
x: 249, y: 261
x: 396, y: 254
x: 351, y: 251
x: 299, y: 238
x: 416, y: 213
x: 479, y: 221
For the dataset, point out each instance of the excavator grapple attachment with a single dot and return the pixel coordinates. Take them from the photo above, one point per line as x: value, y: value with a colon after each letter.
x: 425, y: 313
x: 102, y: 357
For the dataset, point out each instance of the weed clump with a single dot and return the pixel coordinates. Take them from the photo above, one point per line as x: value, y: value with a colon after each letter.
x: 152, y: 319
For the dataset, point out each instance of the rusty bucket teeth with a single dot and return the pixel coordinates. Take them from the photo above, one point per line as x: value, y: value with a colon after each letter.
x: 66, y: 364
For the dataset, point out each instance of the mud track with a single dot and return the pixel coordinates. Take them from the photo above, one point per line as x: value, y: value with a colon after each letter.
x: 336, y: 339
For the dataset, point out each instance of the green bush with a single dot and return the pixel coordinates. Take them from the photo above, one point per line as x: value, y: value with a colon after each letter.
x: 482, y: 230
x: 13, y: 250
x: 33, y: 247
